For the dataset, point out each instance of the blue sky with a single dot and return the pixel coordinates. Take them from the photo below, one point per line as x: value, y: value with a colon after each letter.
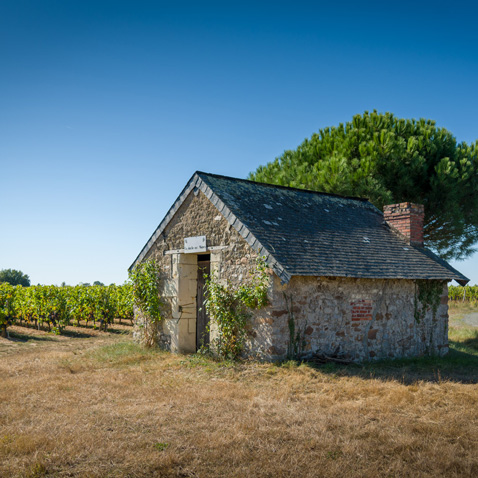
x: 108, y: 107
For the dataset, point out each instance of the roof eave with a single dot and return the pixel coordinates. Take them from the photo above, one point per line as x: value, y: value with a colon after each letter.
x: 455, y: 275
x: 385, y: 277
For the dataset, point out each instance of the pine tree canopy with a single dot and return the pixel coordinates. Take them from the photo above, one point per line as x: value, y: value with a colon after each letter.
x: 391, y: 160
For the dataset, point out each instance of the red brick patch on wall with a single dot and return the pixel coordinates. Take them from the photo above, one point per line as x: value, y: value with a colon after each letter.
x: 361, y: 309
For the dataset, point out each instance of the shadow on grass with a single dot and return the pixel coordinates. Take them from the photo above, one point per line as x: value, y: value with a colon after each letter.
x: 19, y: 337
x: 459, y: 365
x: 119, y: 331
x: 81, y: 332
x: 466, y: 340
x: 110, y: 330
x: 48, y: 337
x: 76, y: 334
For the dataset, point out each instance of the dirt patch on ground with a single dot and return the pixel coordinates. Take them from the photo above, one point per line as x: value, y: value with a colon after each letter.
x: 471, y: 319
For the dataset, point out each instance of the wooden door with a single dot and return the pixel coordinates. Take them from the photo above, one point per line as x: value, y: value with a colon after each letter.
x: 202, y: 322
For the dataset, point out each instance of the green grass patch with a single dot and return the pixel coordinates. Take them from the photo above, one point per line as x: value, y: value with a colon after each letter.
x: 464, y: 339
x: 161, y: 446
x: 20, y: 337
x: 124, y: 354
x: 208, y: 362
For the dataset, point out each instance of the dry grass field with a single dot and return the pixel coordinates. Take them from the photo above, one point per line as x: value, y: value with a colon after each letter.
x: 96, y: 405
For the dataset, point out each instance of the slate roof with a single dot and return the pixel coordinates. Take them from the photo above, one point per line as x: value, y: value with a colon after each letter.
x: 308, y: 233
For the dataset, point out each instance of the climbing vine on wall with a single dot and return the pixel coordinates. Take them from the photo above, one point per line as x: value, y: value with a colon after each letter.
x: 427, y: 296
x: 296, y: 336
x: 145, y: 278
x: 229, y: 307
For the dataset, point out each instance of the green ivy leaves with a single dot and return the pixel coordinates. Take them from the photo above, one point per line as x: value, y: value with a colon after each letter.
x: 427, y: 296
x: 145, y: 278
x: 229, y: 307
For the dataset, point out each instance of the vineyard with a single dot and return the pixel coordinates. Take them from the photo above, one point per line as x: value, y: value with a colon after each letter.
x: 53, y: 308
x: 465, y: 294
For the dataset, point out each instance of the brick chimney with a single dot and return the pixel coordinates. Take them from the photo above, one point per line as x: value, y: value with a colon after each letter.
x: 407, y: 219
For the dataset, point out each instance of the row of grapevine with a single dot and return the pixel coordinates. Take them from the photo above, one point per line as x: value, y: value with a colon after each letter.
x: 55, y: 307
x: 466, y: 294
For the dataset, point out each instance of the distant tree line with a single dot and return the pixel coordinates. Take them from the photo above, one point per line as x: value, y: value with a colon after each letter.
x: 14, y: 277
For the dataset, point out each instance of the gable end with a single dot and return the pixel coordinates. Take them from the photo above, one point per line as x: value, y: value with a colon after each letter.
x: 197, y: 183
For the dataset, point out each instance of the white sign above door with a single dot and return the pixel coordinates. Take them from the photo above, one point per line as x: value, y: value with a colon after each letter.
x: 195, y: 244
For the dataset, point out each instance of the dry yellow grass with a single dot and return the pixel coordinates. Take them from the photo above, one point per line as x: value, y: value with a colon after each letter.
x: 100, y: 406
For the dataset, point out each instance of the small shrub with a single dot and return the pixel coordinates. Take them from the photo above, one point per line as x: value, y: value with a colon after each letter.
x: 161, y: 446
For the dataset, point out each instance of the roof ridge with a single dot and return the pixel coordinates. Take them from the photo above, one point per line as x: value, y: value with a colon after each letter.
x: 354, y: 198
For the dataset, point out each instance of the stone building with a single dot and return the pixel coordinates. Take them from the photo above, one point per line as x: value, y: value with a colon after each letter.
x: 341, y: 271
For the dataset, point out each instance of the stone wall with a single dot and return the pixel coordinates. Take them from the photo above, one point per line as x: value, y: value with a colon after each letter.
x: 359, y: 319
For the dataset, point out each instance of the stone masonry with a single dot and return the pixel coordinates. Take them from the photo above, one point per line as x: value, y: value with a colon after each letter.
x: 359, y: 319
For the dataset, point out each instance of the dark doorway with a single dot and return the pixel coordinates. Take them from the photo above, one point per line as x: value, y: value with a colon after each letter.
x: 202, y: 322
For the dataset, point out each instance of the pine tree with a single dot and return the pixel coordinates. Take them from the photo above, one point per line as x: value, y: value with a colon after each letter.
x: 391, y: 160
